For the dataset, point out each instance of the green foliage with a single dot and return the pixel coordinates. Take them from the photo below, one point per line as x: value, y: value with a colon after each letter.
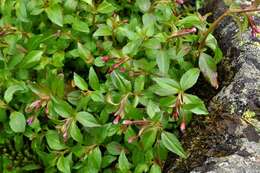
x: 99, y: 86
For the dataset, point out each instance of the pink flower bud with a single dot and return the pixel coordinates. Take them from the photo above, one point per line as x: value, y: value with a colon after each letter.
x: 105, y: 58
x: 117, y: 119
x: 36, y: 104
x: 65, y: 136
x: 180, y: 1
x: 132, y: 139
x: 122, y: 69
x: 183, y: 126
x: 30, y: 120
x: 127, y: 122
x: 175, y: 115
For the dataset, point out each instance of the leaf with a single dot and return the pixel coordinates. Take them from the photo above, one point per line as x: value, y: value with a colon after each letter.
x: 132, y: 47
x: 170, y: 85
x: 163, y: 62
x: 148, y: 138
x: 211, y: 42
x: 139, y: 83
x: 80, y: 82
x: 209, y: 69
x: 120, y: 82
x: 107, y: 160
x: 86, y: 119
x: 155, y: 169
x: 31, y: 59
x: 63, y: 164
x: 93, y: 79
x: 105, y: 7
x: 62, y: 108
x: 95, y: 159
x: 53, y: 140
x: 9, y: 93
x: 81, y: 26
x: 88, y: 2
x: 114, y: 148
x: 103, y: 30
x: 17, y: 122
x: 123, y: 163
x: 144, y: 5
x: 152, y: 108
x: 54, y: 13
x: 75, y: 132
x: 152, y: 43
x: 170, y: 142
x: 194, y: 104
x: 21, y: 11
x: 189, y: 78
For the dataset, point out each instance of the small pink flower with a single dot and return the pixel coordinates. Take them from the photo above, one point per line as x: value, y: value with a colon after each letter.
x: 183, y: 126
x: 30, y: 120
x: 36, y: 104
x: 127, y: 122
x: 117, y: 119
x: 122, y: 69
x: 65, y: 136
x: 180, y: 2
x: 105, y: 58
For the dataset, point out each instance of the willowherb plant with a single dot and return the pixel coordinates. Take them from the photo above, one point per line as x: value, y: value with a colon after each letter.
x: 101, y: 86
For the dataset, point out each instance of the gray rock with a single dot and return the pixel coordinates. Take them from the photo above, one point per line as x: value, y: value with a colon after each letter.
x: 240, y: 72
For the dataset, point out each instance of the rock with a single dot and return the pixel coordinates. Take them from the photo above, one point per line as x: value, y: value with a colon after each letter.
x: 228, y: 140
x: 240, y: 95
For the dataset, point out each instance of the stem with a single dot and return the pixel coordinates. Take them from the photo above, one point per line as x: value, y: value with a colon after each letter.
x: 219, y: 19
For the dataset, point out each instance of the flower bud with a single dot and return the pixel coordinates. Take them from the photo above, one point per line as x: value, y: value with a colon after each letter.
x: 117, y: 119
x: 132, y: 139
x: 127, y: 122
x: 179, y: 2
x: 183, y: 126
x: 30, y: 120
x: 105, y: 58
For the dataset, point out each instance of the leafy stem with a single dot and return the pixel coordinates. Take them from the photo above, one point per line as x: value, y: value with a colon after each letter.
x: 218, y: 20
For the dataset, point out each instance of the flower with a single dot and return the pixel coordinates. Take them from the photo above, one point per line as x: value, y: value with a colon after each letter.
x: 29, y: 121
x: 117, y: 119
x: 180, y: 2
x: 127, y: 122
x: 183, y: 126
x: 105, y: 58
x: 255, y: 30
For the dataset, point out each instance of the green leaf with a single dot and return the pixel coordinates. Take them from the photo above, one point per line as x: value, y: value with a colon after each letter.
x: 53, y: 140
x: 171, y: 142
x: 123, y: 163
x: 144, y: 5
x: 75, y: 132
x: 209, y: 69
x: 120, y: 82
x: 171, y: 86
x: 81, y: 26
x: 107, y: 160
x: 194, y: 104
x: 103, y: 30
x: 84, y: 53
x: 31, y: 59
x: 190, y: 21
x: 9, y: 93
x: 148, y: 138
x: 105, y: 8
x: 163, y: 62
x: 139, y: 83
x: 95, y: 159
x: 88, y: 2
x: 114, y: 148
x: 80, y: 82
x: 63, y: 164
x: 21, y: 11
x: 152, y: 108
x: 93, y: 79
x: 86, y: 119
x: 62, y: 108
x: 189, y: 78
x: 17, y: 122
x: 211, y: 42
x: 54, y: 13
x: 155, y: 169
x: 132, y: 47
x: 152, y: 43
